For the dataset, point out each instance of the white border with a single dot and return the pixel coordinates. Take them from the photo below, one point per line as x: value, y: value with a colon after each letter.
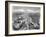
x: 26, y: 31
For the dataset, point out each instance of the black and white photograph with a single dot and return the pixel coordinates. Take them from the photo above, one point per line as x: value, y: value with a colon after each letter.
x: 24, y: 18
